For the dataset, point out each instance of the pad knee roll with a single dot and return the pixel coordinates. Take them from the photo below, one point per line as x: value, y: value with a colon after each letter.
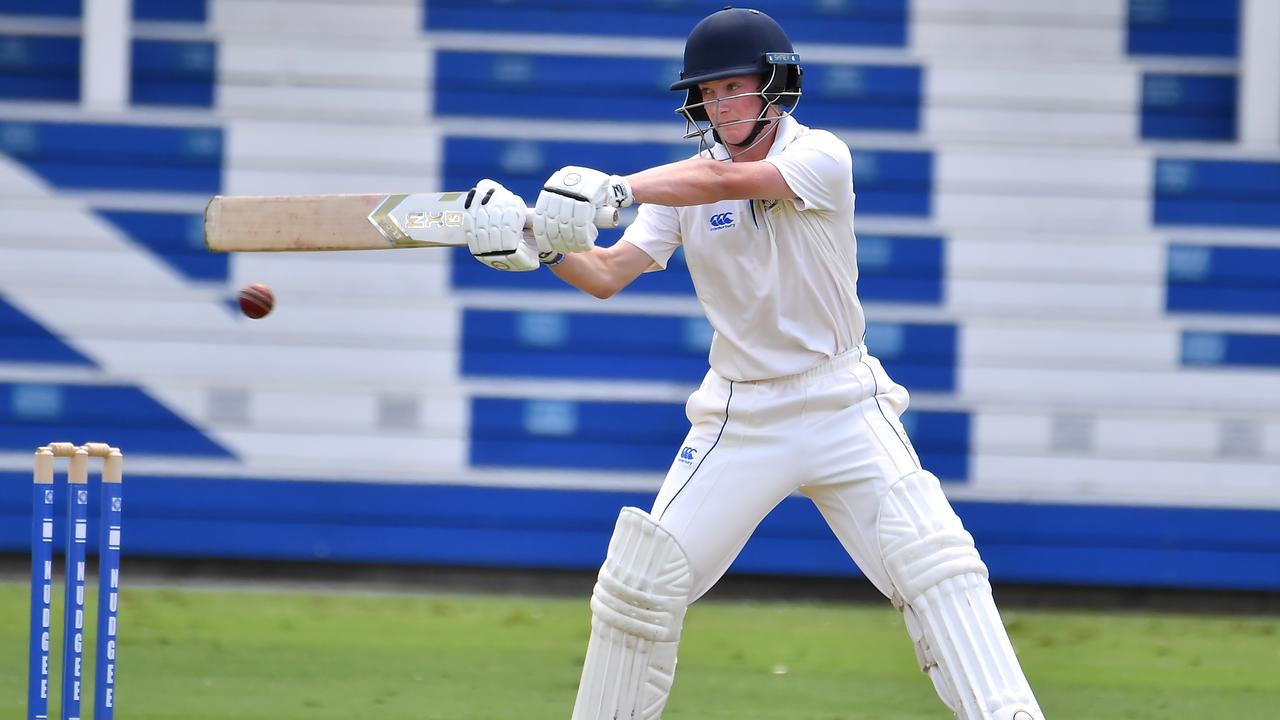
x: 922, y: 540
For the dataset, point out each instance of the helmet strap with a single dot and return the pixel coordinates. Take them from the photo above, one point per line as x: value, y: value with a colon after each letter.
x: 750, y: 140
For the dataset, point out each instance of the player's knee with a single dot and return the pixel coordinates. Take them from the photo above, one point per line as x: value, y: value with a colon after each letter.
x: 922, y: 541
x: 644, y: 585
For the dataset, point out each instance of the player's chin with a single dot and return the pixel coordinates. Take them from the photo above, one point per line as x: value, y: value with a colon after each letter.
x: 734, y: 134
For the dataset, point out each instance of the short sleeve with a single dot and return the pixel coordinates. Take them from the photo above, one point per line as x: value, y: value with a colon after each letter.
x: 819, y: 170
x: 656, y: 231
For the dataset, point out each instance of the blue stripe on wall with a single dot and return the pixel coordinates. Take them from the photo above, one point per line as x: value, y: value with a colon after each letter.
x: 173, y: 72
x: 1203, y: 278
x: 39, y: 67
x: 563, y: 529
x: 33, y: 414
x: 631, y: 89
x: 42, y: 8
x: 1203, y: 28
x: 171, y: 10
x: 1226, y: 349
x: 1188, y: 107
x: 176, y: 238
x: 23, y: 340
x: 118, y: 157
x: 1216, y: 192
x: 865, y: 22
x: 642, y: 437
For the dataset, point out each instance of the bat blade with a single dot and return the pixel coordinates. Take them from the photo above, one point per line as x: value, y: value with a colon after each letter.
x: 293, y: 223
x: 282, y: 223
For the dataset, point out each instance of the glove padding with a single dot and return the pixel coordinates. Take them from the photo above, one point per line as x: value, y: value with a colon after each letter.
x: 494, y: 225
x: 564, y: 218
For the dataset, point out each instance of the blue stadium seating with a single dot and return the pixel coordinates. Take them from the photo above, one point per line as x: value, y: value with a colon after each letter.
x: 621, y: 436
x: 923, y: 357
x: 23, y: 340
x: 1188, y: 107
x: 942, y: 440
x: 893, y: 182
x: 1230, y: 349
x: 1223, y: 279
x: 584, y: 345
x: 33, y: 413
x: 641, y: 437
x: 630, y: 89
x: 196, y: 11
x: 511, y: 343
x: 118, y: 157
x: 39, y: 67
x: 865, y: 22
x: 1217, y: 192
x: 1184, y: 27
x: 1237, y: 280
x: 161, y: 10
x: 900, y: 269
x: 173, y: 72
x: 44, y: 8
x: 176, y: 238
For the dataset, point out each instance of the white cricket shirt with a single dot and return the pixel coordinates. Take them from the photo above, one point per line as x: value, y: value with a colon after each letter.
x: 777, y: 280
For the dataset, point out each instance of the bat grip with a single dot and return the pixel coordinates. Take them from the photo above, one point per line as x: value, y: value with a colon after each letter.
x: 606, y: 217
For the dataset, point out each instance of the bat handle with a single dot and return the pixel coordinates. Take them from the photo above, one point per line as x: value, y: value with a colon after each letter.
x: 606, y: 217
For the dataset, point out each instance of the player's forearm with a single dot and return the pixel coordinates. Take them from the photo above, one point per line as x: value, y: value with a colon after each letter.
x: 696, y: 181
x: 589, y: 272
x: 701, y: 181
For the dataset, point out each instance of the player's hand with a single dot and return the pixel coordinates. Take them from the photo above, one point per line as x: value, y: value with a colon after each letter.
x: 493, y: 220
x: 564, y: 218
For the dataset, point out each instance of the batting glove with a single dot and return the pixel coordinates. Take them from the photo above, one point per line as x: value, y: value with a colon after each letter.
x: 493, y: 221
x: 564, y: 218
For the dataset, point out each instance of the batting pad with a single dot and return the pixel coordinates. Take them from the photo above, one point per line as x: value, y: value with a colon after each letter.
x: 637, y: 609
x: 960, y: 639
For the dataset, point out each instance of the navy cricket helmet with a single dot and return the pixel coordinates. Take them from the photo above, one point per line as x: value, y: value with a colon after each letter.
x: 739, y: 41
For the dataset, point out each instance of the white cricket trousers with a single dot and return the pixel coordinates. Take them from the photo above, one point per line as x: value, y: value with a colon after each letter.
x: 833, y: 433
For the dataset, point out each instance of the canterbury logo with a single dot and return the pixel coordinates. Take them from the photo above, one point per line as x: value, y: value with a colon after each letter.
x: 688, y: 455
x: 721, y: 221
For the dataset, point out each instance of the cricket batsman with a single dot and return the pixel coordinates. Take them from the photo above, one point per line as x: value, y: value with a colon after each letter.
x: 793, y: 400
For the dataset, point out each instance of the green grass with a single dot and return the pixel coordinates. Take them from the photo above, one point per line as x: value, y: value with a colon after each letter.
x: 203, y: 654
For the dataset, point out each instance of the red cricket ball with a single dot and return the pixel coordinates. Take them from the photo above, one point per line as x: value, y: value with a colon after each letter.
x: 256, y: 300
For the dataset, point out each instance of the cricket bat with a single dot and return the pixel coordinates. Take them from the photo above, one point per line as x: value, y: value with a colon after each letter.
x: 284, y: 223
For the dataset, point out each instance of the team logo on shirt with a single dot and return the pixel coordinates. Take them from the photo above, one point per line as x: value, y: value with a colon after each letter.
x: 722, y: 221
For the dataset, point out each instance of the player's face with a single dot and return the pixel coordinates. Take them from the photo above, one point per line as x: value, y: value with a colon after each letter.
x: 724, y: 106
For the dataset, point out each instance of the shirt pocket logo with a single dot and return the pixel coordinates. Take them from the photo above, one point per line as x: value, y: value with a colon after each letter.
x: 722, y: 221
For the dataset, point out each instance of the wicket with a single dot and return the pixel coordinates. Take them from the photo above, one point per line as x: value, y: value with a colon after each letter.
x: 42, y: 579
